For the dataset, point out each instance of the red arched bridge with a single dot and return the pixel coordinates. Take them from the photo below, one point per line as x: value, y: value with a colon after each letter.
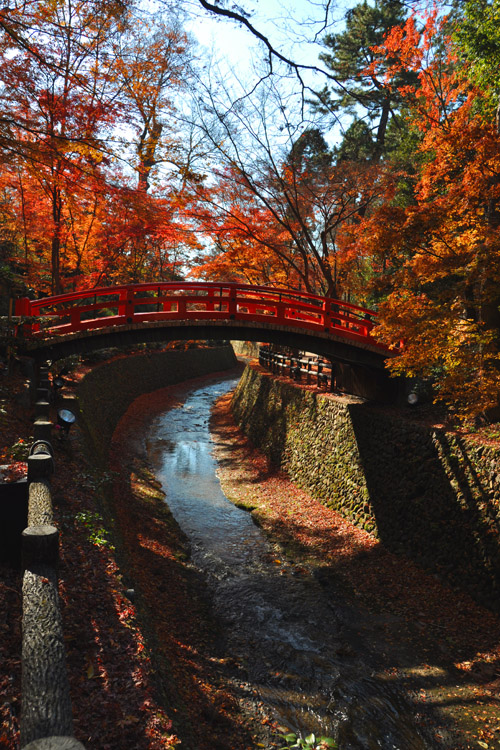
x: 105, y: 316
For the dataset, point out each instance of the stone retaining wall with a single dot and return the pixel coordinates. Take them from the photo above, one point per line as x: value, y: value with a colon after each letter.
x: 426, y: 493
x: 108, y: 389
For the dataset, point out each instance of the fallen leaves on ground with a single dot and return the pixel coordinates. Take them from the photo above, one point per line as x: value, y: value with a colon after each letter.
x: 148, y: 672
x: 454, y: 643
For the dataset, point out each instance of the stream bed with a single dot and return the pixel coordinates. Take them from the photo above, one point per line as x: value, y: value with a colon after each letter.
x: 303, y: 654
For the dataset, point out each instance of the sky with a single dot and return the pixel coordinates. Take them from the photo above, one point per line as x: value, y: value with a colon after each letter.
x: 289, y: 24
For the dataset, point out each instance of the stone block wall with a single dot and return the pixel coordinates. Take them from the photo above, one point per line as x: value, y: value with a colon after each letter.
x: 424, y: 492
x: 108, y: 389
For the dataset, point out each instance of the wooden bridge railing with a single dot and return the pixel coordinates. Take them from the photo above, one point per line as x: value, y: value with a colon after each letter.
x: 170, y: 301
x: 310, y: 369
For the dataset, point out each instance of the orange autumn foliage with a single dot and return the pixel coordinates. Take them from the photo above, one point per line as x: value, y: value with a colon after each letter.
x: 443, y: 250
x: 285, y: 226
x: 78, y: 122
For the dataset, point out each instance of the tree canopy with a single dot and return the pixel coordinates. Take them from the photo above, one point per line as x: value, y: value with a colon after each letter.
x: 370, y: 174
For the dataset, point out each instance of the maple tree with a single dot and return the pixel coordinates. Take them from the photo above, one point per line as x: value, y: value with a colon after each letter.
x: 150, y: 231
x: 443, y: 247
x: 53, y: 92
x: 143, y: 236
x: 87, y: 100
x: 281, y: 227
x: 274, y: 209
x: 152, y: 64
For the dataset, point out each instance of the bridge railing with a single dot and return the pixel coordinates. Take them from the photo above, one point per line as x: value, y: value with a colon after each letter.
x: 142, y: 303
x: 310, y: 369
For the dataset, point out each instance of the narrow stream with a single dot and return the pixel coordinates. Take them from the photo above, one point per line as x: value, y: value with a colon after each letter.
x: 278, y: 622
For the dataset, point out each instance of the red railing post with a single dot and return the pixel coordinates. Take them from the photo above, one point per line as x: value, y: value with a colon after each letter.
x: 22, y: 306
x: 232, y: 306
x: 126, y: 304
x: 209, y: 301
x: 122, y: 302
x: 281, y: 312
x: 327, y: 315
x: 75, y: 319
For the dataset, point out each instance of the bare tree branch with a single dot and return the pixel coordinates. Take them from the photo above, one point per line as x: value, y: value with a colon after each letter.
x: 299, y: 68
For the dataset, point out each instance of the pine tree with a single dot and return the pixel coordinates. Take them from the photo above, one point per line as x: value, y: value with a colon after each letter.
x: 361, y: 93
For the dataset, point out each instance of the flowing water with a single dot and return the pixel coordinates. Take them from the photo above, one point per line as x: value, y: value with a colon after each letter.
x: 303, y: 654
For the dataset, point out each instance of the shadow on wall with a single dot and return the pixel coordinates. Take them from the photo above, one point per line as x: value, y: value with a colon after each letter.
x: 431, y: 498
x: 427, y: 494
x: 107, y: 390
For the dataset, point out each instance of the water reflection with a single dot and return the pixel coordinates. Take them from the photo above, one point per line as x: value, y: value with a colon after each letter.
x: 277, y: 620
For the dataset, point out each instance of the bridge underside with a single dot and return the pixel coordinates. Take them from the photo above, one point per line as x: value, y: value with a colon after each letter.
x: 359, y: 366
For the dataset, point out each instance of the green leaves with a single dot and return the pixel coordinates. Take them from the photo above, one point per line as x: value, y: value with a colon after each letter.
x: 97, y: 534
x: 311, y: 741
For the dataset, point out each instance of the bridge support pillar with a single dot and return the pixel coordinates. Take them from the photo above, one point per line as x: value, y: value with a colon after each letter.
x: 366, y: 382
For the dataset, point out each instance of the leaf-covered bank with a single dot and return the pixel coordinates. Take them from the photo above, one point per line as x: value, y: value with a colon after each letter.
x: 110, y: 678
x: 434, y: 643
x: 117, y: 696
x: 426, y: 493
x: 197, y: 695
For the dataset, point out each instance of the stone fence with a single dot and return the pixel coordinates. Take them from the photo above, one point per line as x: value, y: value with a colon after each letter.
x: 46, y: 717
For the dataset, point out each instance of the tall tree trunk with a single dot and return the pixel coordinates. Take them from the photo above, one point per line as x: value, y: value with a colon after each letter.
x: 146, y: 151
x: 332, y: 289
x: 56, y: 241
x: 382, y: 129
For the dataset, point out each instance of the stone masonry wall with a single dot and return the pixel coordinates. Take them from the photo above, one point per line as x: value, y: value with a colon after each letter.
x: 108, y: 389
x: 426, y: 493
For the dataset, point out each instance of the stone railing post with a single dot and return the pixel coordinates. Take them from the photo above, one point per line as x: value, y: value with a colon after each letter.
x: 46, y: 714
